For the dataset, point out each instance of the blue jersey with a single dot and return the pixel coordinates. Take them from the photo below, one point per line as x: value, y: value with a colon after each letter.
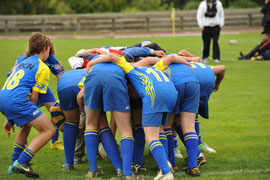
x: 205, y: 76
x: 156, y: 90
x: 132, y: 52
x: 108, y: 67
x: 31, y: 74
x: 54, y: 65
x: 180, y: 73
x: 70, y: 78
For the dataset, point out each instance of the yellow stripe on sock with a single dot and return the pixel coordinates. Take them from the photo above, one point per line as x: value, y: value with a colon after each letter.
x: 105, y: 129
x: 71, y: 123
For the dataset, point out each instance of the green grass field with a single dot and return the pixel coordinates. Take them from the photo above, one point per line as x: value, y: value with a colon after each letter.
x: 238, y: 128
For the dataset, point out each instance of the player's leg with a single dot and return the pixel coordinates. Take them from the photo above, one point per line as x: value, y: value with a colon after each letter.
x: 188, y: 109
x: 19, y: 144
x: 169, y: 134
x: 127, y: 141
x: 48, y: 100
x: 109, y: 144
x: 46, y: 131
x: 69, y: 135
x: 91, y: 139
x: 177, y: 152
x: 80, y: 143
x: 157, y: 149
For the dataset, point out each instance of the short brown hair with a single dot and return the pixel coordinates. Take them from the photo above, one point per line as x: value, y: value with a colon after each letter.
x: 37, y: 42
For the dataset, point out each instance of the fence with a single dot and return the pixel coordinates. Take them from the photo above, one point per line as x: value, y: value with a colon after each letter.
x: 121, y: 22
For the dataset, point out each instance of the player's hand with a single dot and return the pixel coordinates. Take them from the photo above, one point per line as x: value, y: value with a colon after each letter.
x: 88, y: 67
x: 7, y: 128
x: 216, y: 88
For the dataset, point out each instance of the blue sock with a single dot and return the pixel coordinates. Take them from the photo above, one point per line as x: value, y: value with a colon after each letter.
x: 139, y: 144
x: 178, y: 129
x: 91, y: 144
x: 110, y: 147
x: 164, y: 141
x: 69, y: 136
x: 175, y: 141
x: 55, y: 137
x: 191, y: 142
x: 158, y: 152
x: 26, y: 156
x: 18, y: 149
x: 171, y: 155
x: 127, y: 147
x: 197, y: 128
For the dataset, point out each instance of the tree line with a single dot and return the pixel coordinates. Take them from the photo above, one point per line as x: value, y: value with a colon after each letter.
x: 13, y: 7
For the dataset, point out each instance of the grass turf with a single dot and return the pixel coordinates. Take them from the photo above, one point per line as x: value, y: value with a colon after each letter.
x: 238, y: 128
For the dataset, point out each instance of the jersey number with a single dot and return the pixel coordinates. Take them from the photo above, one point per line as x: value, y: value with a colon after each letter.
x: 149, y: 70
x: 13, y: 80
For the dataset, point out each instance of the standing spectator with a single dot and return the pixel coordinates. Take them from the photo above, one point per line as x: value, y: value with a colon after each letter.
x: 210, y: 18
x: 266, y: 17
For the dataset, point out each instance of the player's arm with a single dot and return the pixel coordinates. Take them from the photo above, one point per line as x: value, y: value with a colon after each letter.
x: 80, y: 99
x: 186, y: 53
x: 170, y: 59
x: 149, y: 61
x: 219, y: 73
x: 112, y: 58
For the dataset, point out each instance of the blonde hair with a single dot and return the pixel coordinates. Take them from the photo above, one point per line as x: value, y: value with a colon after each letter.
x: 37, y: 42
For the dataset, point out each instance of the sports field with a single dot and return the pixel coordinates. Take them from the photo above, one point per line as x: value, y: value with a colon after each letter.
x: 238, y: 128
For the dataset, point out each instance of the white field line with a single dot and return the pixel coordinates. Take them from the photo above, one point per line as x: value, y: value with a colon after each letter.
x: 233, y: 172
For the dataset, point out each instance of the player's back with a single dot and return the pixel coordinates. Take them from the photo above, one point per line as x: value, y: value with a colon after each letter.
x: 70, y: 78
x: 205, y: 75
x: 17, y: 87
x: 109, y: 68
x: 154, y: 88
x: 180, y: 73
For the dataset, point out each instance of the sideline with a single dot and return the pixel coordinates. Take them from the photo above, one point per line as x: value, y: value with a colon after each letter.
x: 140, y: 34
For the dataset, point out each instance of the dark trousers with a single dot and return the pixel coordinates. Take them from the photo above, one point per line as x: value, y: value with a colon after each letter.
x: 209, y: 33
x: 252, y: 52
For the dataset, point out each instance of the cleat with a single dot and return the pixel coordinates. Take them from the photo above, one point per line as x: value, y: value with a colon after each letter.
x: 171, y: 168
x: 205, y: 148
x: 119, y: 172
x: 57, y: 145
x: 133, y: 177
x: 175, y: 169
x: 177, y: 153
x: 10, y: 171
x: 91, y: 174
x: 200, y: 161
x: 195, y: 172
x: 24, y: 169
x: 77, y: 160
x: 68, y: 167
x: 168, y: 176
x: 138, y: 168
